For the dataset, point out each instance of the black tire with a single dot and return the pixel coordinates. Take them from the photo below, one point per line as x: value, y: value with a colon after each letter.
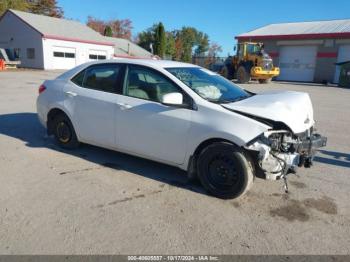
x: 224, y: 170
x: 264, y: 81
x: 64, y: 132
x: 242, y: 75
x: 227, y: 72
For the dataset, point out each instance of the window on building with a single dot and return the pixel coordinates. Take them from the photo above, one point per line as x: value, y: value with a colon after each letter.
x: 97, y: 57
x: 58, y: 54
x: 17, y: 53
x: 69, y: 55
x: 31, y: 53
x: 62, y: 54
x: 93, y: 57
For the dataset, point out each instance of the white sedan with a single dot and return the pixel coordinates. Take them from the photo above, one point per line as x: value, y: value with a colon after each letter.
x: 182, y: 115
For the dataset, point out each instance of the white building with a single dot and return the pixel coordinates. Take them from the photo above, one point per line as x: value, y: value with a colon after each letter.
x: 52, y: 43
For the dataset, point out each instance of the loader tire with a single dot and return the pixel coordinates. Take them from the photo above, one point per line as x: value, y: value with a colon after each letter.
x: 226, y: 72
x: 242, y: 75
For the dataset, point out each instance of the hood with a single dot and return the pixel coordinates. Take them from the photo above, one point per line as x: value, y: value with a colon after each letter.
x: 291, y: 108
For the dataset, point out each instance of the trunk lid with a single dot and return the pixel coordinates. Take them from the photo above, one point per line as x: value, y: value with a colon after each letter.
x: 292, y: 108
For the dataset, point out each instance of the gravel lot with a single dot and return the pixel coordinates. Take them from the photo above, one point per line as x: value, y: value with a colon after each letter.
x: 96, y: 201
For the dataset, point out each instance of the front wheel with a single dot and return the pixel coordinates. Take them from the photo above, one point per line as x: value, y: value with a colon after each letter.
x: 227, y: 73
x: 242, y: 75
x: 224, y: 170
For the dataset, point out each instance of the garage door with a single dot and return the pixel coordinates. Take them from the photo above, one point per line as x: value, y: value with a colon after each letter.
x: 297, y: 63
x: 343, y: 56
x: 63, y: 57
x: 97, y: 55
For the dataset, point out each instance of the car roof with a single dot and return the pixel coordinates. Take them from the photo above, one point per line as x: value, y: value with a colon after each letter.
x: 147, y: 62
x: 160, y: 64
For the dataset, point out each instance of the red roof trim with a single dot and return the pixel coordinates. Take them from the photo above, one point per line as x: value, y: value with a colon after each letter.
x: 295, y: 37
x: 327, y: 54
x: 54, y: 37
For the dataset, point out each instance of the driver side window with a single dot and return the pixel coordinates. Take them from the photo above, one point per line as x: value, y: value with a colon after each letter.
x: 144, y: 83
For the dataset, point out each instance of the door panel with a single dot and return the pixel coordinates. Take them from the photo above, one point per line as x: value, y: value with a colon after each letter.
x: 144, y: 125
x: 93, y: 104
x: 297, y: 63
x: 93, y: 114
x: 152, y: 129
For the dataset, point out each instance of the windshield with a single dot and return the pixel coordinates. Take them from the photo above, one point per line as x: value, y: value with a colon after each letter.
x: 209, y: 85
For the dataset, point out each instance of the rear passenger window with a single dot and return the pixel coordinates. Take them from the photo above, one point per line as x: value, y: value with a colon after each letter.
x: 102, y: 77
x: 79, y: 78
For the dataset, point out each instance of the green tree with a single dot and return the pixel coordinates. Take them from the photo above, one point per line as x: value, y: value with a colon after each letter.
x: 46, y: 7
x: 160, y: 40
x: 188, y: 36
x: 108, y: 31
x: 21, y: 5
x: 202, y: 44
x: 170, y: 49
x: 147, y: 38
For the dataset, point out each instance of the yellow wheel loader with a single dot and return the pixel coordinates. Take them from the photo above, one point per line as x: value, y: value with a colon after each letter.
x: 250, y: 63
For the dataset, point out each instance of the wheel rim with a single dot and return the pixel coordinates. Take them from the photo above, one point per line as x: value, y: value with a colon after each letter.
x: 64, y: 133
x: 222, y: 173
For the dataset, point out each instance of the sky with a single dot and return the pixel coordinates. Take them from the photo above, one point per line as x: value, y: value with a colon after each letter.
x: 222, y: 20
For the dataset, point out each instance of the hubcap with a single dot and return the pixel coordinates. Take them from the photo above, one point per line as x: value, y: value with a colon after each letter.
x: 222, y: 172
x: 63, y: 132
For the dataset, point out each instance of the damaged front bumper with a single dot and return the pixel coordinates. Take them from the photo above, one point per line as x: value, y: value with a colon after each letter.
x: 307, y: 148
x: 280, y: 152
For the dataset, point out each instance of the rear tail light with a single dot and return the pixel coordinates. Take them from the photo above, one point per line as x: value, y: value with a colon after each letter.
x: 42, y: 88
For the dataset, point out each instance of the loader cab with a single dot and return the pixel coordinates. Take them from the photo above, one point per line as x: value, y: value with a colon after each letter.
x: 247, y: 49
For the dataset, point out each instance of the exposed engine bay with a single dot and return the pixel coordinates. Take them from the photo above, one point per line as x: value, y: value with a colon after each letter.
x: 281, y: 152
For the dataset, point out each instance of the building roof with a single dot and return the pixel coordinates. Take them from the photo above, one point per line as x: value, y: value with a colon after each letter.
x: 125, y: 48
x: 70, y: 30
x: 61, y: 29
x: 302, y: 30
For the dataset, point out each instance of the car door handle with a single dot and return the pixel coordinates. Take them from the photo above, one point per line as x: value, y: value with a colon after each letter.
x: 124, y: 106
x: 71, y: 94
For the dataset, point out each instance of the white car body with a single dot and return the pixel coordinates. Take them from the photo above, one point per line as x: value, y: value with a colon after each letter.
x: 169, y: 134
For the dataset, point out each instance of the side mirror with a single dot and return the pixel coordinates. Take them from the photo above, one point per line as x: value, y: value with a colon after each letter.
x: 172, y: 99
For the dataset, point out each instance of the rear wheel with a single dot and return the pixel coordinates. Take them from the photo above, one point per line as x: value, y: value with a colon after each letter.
x: 224, y: 171
x: 64, y: 132
x: 242, y: 75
